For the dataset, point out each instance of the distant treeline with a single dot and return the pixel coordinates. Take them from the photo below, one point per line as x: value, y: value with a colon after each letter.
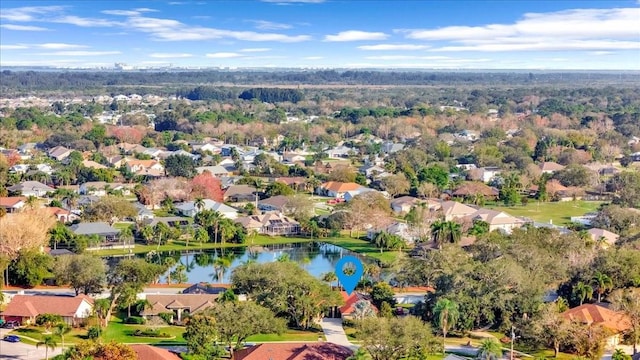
x: 20, y: 81
x: 271, y: 95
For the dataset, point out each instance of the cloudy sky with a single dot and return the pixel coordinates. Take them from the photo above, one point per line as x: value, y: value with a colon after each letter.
x: 540, y: 34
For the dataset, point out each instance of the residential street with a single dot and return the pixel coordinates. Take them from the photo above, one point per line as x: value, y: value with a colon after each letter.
x: 21, y: 350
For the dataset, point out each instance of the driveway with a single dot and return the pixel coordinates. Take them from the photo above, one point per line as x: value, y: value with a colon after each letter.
x: 334, y: 332
x: 21, y: 350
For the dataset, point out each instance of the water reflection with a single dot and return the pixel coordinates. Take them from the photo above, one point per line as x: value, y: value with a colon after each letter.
x: 216, y: 265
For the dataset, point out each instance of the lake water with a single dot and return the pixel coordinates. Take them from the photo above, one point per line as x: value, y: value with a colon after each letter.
x: 317, y: 258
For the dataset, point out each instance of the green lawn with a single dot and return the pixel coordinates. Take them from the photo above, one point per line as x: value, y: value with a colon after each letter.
x: 363, y: 247
x: 122, y: 333
x: 558, y: 212
x: 289, y: 335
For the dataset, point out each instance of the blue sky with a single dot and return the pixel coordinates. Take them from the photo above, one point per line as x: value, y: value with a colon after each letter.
x: 474, y: 34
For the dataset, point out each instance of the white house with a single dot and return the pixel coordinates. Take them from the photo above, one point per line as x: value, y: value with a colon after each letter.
x: 190, y: 209
x: 31, y: 188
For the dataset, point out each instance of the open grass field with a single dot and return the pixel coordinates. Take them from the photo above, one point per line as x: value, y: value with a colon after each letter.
x: 559, y: 213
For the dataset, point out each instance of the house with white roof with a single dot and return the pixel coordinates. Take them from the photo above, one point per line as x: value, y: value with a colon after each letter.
x: 189, y: 208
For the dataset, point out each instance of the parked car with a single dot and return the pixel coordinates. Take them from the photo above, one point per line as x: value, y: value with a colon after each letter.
x: 10, y: 325
x: 12, y: 338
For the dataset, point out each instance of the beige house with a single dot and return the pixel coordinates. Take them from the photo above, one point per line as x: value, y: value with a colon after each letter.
x: 178, y: 304
x: 605, y: 237
x: 497, y: 220
x: 452, y: 210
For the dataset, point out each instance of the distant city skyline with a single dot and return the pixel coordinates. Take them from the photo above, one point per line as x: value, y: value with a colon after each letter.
x: 449, y: 35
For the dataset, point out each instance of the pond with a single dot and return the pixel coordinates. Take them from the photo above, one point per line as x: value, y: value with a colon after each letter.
x: 215, y: 266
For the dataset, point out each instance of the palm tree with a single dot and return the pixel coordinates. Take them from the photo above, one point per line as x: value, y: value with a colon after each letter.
x: 49, y: 343
x: 583, y: 291
x: 619, y: 354
x: 61, y: 329
x: 199, y: 203
x: 602, y: 283
x: 489, y: 349
x: 31, y: 201
x: 329, y: 277
x: 220, y: 266
x: 201, y: 236
x: 446, y: 314
x: 168, y: 264
x: 147, y: 233
x: 445, y: 232
x: 126, y: 235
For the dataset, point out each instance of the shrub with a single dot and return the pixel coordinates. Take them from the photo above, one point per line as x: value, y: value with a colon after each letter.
x: 151, y: 333
x: 94, y: 332
x: 167, y: 317
x: 136, y: 320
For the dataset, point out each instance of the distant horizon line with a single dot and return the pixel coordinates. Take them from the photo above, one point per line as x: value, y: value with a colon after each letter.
x: 285, y: 68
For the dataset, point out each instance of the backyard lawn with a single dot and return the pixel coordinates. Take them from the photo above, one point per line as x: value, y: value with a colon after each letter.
x: 559, y: 213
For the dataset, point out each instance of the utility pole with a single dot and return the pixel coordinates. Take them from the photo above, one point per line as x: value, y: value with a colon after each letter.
x: 513, y: 339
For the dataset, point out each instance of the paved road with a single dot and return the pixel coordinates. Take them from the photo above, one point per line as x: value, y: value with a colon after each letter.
x: 22, y: 351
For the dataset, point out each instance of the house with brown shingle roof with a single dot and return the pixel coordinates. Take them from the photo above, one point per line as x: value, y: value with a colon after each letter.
x: 178, y: 304
x: 12, y: 204
x: 148, y: 352
x: 607, y: 237
x: 549, y: 167
x: 470, y: 189
x: 590, y: 314
x: 294, y: 351
x: 25, y: 308
x: 337, y: 189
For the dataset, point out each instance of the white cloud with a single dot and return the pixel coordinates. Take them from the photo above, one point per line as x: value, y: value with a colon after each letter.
x: 269, y: 25
x: 173, y: 30
x: 170, y: 55
x: 313, y: 57
x: 81, y: 53
x: 121, y: 12
x: 60, y: 46
x: 252, y: 50
x: 223, y: 55
x: 145, y: 9
x: 576, y: 29
x: 385, y: 47
x: 23, y: 27
x: 600, y: 53
x: 356, y: 35
x: 13, y: 47
x: 85, y: 22
x: 27, y: 13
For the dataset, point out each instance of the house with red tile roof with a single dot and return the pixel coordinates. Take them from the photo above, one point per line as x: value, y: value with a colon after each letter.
x: 148, y: 352
x: 25, y: 308
x: 589, y: 314
x: 347, y: 310
x: 337, y: 189
x: 294, y: 351
x: 12, y: 204
x: 63, y: 215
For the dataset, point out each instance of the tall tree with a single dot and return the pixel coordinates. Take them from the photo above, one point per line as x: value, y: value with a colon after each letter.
x: 396, y: 338
x: 446, y: 315
x: 551, y: 329
x: 49, y: 343
x: 180, y: 166
x: 583, y: 291
x: 489, y: 349
x: 627, y: 301
x: 602, y: 283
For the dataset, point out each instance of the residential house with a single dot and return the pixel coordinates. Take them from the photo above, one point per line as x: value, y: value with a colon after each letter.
x: 143, y: 212
x: 472, y: 189
x: 604, y: 237
x: 336, y: 189
x: 497, y: 220
x: 340, y: 152
x: 178, y: 304
x: 550, y: 167
x: 116, y: 161
x: 240, y: 193
x: 452, y: 210
x: 206, y: 288
x: 616, y: 322
x: 153, y: 152
x: 25, y: 308
x: 297, y: 183
x: 390, y: 147
x: 371, y: 171
x: 488, y: 173
x: 149, y: 352
x: 12, y: 204
x: 294, y: 351
x: 92, y: 165
x: 171, y: 221
x: 349, y: 195
x: 31, y: 188
x: 270, y: 224
x: 142, y: 166
x: 217, y: 170
x: 347, y: 310
x: 63, y: 215
x: 104, y: 231
x: 214, y: 149
x: 102, y: 188
x: 59, y: 153
x: 292, y: 158
x: 190, y: 209
x: 403, y: 204
x: 274, y: 203
x: 19, y: 168
x: 397, y: 228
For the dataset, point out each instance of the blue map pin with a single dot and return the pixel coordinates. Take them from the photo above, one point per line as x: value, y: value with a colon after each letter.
x: 349, y: 282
